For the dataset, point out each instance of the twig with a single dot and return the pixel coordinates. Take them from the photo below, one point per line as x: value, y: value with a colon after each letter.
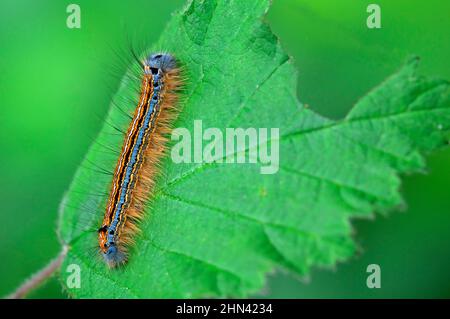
x: 40, y: 276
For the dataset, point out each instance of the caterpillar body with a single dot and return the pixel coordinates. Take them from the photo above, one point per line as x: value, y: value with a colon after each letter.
x: 142, y: 150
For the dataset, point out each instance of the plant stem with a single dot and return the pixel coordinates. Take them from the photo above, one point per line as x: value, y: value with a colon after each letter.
x: 40, y: 276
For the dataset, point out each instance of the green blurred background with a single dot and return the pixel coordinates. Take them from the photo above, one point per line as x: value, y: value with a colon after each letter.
x: 56, y: 84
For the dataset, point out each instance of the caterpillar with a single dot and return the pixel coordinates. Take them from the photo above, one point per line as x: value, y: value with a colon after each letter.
x: 142, y: 150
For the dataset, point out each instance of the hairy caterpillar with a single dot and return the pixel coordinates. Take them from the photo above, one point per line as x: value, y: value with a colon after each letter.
x: 142, y: 150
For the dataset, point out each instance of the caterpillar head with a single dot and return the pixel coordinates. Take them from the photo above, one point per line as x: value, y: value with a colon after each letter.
x: 159, y: 61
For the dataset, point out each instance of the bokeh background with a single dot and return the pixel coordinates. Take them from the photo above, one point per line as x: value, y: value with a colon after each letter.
x: 56, y: 84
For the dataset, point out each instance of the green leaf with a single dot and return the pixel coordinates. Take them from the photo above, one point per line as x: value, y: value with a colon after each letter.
x: 218, y: 229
